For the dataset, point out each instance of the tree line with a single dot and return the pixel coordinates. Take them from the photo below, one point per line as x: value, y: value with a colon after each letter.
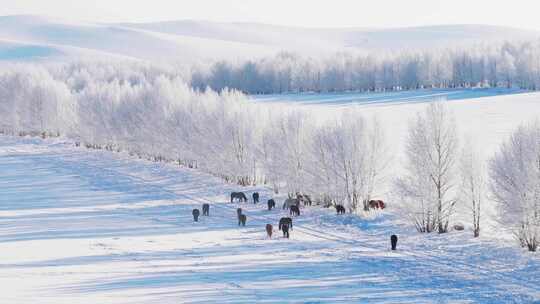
x: 505, y: 65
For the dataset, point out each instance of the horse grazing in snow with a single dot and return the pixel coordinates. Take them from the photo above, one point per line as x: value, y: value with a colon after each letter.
x: 340, y: 209
x: 240, y: 196
x: 255, y: 197
x: 205, y: 209
x: 285, y: 221
x: 271, y: 204
x: 269, y: 229
x: 195, y: 213
x: 393, y: 241
x: 242, y: 220
x: 376, y: 204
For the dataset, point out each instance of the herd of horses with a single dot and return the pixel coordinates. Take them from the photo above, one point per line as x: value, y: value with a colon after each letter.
x: 292, y: 204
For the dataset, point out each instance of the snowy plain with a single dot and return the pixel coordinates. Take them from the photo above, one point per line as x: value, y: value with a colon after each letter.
x: 83, y: 226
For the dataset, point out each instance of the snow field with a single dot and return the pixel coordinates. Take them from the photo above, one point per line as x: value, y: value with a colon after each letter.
x: 85, y: 226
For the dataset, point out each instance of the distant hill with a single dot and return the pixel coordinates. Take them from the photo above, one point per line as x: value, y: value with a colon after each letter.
x: 35, y: 38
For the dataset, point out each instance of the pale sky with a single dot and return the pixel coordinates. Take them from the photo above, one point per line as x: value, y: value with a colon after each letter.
x: 307, y: 13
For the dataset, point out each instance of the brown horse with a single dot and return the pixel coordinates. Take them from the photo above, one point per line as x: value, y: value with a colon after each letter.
x: 376, y: 204
x: 269, y: 229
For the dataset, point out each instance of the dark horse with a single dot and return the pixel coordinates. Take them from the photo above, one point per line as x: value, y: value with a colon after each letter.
x: 195, y: 215
x: 206, y: 209
x: 295, y: 210
x: 241, y: 196
x: 271, y: 204
x: 238, y: 212
x: 242, y: 220
x: 269, y: 230
x: 255, y: 197
x: 393, y: 241
x: 340, y: 209
x: 285, y: 231
x: 285, y: 222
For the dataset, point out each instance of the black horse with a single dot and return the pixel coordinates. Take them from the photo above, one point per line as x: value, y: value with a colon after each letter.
x: 195, y: 215
x: 271, y: 204
x: 393, y: 241
x: 340, y: 209
x: 285, y: 230
x: 205, y: 209
x: 242, y: 220
x: 255, y: 197
x: 295, y: 210
x: 285, y: 221
x: 241, y: 196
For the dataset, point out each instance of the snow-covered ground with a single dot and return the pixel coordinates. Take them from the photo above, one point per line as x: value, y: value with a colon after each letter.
x: 80, y: 226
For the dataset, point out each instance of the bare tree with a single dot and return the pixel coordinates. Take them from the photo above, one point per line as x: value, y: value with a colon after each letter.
x: 428, y: 186
x: 472, y: 186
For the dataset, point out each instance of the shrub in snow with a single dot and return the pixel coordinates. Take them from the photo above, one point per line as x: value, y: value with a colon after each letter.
x: 515, y: 184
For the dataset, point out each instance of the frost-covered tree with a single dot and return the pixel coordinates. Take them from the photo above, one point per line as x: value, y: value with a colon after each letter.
x: 152, y: 113
x: 472, y: 188
x: 430, y: 179
x: 349, y: 159
x: 515, y: 184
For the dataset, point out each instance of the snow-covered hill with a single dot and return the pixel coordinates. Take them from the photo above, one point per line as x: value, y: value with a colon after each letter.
x: 34, y: 37
x: 62, y: 38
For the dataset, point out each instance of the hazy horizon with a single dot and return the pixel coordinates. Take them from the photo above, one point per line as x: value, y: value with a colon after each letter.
x: 338, y: 14
x: 71, y: 19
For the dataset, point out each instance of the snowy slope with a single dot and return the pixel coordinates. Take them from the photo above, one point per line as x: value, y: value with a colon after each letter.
x: 120, y: 41
x: 79, y: 226
x: 193, y: 41
x: 393, y: 38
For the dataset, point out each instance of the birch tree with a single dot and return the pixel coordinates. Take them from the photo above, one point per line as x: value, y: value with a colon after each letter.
x: 472, y: 186
x: 428, y: 187
x: 515, y: 184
